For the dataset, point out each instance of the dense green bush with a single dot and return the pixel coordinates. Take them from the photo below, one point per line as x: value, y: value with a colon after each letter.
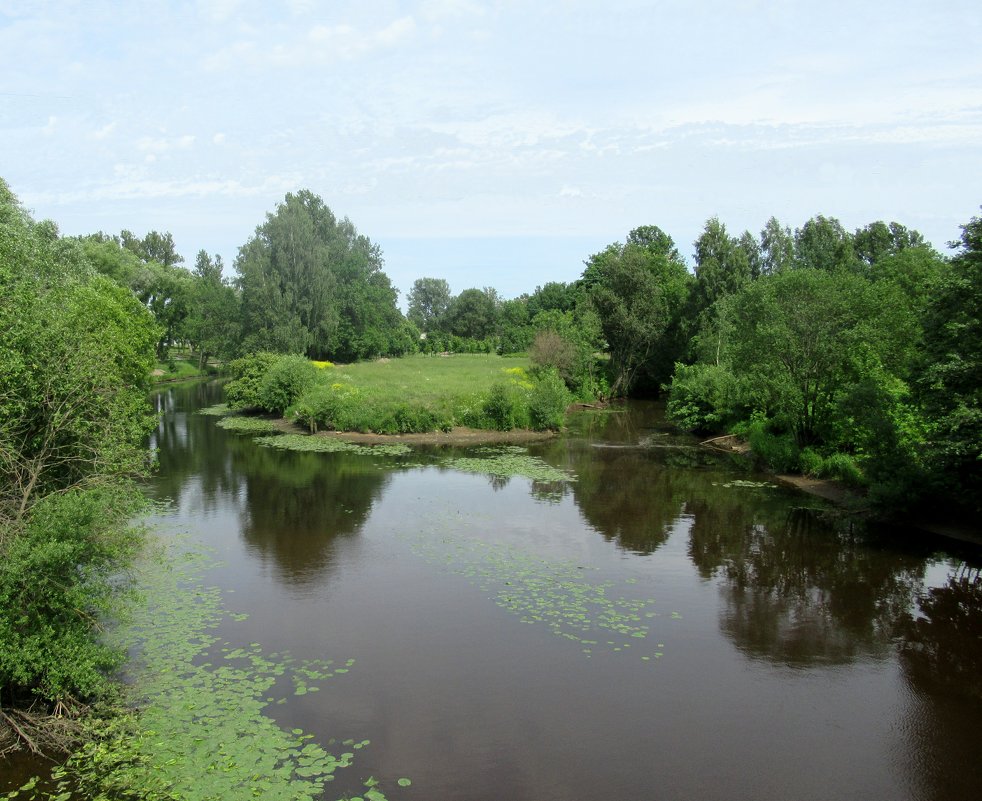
x: 284, y: 382
x: 341, y: 407
x: 244, y: 391
x: 506, y: 407
x: 59, y: 574
x: 329, y: 407
x: 840, y: 466
x: 548, y: 402
x: 774, y: 449
x: 701, y: 396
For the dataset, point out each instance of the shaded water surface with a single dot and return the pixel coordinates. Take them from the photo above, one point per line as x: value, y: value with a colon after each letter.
x: 666, y: 625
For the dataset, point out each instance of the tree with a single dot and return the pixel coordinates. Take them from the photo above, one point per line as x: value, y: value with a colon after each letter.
x: 879, y: 240
x: 429, y: 300
x: 75, y: 361
x: 553, y: 295
x: 777, y: 247
x: 823, y: 244
x: 213, y: 318
x: 164, y: 288
x: 312, y: 284
x: 951, y: 382
x: 722, y: 265
x: 472, y: 314
x: 638, y: 291
x: 807, y: 337
x: 155, y: 246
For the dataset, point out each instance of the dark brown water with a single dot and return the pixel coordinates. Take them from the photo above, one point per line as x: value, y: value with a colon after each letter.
x: 717, y: 640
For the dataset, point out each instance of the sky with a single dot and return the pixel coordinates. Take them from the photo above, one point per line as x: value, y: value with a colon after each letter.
x: 491, y: 143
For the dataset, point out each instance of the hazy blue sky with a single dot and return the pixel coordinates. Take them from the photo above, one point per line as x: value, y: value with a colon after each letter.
x: 491, y: 143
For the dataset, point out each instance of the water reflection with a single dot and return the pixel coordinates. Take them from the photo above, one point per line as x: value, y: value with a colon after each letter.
x: 757, y: 573
x: 796, y: 588
x: 942, y: 641
x: 296, y: 506
x: 191, y: 451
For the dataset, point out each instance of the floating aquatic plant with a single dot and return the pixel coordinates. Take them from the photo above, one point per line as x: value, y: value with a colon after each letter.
x: 219, y: 410
x: 247, y: 425
x: 557, y: 594
x: 308, y: 443
x: 201, y: 733
x: 507, y: 461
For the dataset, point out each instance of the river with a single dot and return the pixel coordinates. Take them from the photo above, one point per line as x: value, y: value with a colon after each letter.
x: 661, y: 624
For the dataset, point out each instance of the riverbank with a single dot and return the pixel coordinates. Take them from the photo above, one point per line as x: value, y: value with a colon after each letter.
x: 851, y: 499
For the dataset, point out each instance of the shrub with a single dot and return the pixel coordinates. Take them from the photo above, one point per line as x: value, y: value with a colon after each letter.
x: 810, y: 462
x: 550, y: 349
x: 548, y: 402
x: 701, y: 396
x: 328, y: 406
x: 284, y: 382
x: 243, y: 391
x: 59, y: 574
x: 778, y: 451
x: 843, y: 467
x: 505, y: 407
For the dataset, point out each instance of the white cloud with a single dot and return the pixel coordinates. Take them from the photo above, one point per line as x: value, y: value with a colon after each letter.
x: 321, y: 44
x: 104, y: 131
x: 218, y: 139
x: 163, y: 145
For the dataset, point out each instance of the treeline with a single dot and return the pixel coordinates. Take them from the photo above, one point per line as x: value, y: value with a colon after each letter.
x: 306, y: 283
x: 850, y: 354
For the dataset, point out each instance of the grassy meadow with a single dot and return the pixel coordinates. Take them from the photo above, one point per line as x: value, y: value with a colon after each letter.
x: 422, y: 379
x: 415, y: 394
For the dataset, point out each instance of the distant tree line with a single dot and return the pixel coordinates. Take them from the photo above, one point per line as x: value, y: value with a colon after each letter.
x: 847, y: 354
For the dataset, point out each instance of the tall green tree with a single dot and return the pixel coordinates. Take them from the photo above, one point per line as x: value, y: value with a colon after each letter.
x: 473, y: 314
x: 951, y: 382
x: 310, y: 283
x: 163, y: 287
x: 808, y: 337
x: 429, y: 300
x: 75, y: 360
x: 823, y: 244
x: 213, y: 318
x: 879, y: 240
x: 722, y: 264
x: 777, y: 247
x: 639, y: 291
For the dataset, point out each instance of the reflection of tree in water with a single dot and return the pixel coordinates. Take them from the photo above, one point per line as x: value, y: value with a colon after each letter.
x: 942, y: 644
x: 796, y: 589
x: 297, y: 505
x: 632, y: 475
x: 190, y: 448
x: 941, y: 655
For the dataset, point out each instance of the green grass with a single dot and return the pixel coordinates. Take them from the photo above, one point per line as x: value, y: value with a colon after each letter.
x: 426, y: 393
x: 428, y: 379
x: 177, y: 370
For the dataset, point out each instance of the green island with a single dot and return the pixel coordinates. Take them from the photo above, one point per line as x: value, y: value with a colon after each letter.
x: 834, y: 354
